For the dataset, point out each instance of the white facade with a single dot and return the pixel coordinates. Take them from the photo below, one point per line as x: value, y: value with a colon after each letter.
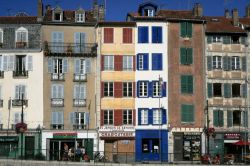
x: 33, y: 113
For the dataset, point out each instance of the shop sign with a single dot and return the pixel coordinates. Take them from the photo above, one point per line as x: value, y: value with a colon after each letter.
x: 232, y: 136
x: 64, y: 135
x: 8, y: 139
x: 117, y: 131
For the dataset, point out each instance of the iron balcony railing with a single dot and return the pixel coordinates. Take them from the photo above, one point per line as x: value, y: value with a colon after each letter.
x: 20, y: 73
x: 57, y: 77
x: 57, y: 102
x: 79, y: 126
x: 20, y: 45
x: 56, y: 126
x: 18, y: 102
x: 79, y: 102
x: 70, y: 48
x: 80, y: 77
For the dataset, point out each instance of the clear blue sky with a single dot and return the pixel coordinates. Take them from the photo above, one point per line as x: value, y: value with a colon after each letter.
x: 116, y: 10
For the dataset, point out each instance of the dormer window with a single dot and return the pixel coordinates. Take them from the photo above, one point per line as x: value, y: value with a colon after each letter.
x: 57, y: 14
x: 147, y: 9
x: 21, y: 37
x: 149, y: 12
x: 80, y: 15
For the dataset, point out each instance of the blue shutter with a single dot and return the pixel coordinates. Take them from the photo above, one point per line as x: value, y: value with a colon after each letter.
x: 157, y: 61
x: 138, y: 89
x: 164, y: 116
x: 139, y: 117
x: 156, y: 34
x: 137, y: 61
x: 77, y: 66
x: 164, y: 89
x: 150, y: 116
x: 150, y: 89
x: 142, y: 34
x: 227, y: 90
x: 65, y: 65
x: 145, y: 61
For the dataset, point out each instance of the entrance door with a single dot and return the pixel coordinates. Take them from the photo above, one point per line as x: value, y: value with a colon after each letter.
x: 29, y: 147
x: 150, y: 149
x: 54, y: 150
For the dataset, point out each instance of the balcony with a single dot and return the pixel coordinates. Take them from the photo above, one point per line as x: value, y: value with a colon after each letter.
x: 56, y: 126
x: 57, y: 102
x: 79, y: 102
x: 57, y: 77
x: 18, y: 103
x: 20, y: 45
x: 73, y: 49
x: 1, y: 103
x: 79, y: 126
x: 1, y: 74
x: 80, y: 77
x: 20, y: 73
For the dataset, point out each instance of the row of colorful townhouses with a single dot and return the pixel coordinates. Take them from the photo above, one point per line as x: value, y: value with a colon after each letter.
x: 164, y: 85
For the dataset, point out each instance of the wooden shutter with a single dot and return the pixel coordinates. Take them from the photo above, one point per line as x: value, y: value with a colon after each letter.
x: 221, y: 118
x: 226, y: 39
x: 189, y: 29
x: 139, y: 116
x: 244, y: 90
x: 118, y: 89
x: 88, y: 65
x: 118, y: 63
x: 145, y: 62
x: 156, y: 61
x: 50, y: 65
x: 209, y: 39
x: 183, y: 29
x: 164, y: 116
x: 150, y: 89
x: 244, y: 65
x: 227, y: 90
x: 229, y: 118
x: 5, y: 63
x: 216, y: 118
x: 11, y: 63
x: 226, y: 63
x: 17, y: 92
x: 30, y: 63
x: 142, y: 34
x: 245, y: 118
x: 77, y: 66
x: 156, y: 34
x: 108, y: 35
x: 209, y: 90
x: 242, y: 40
x: 86, y: 118
x: 183, y: 55
x: 150, y: 116
x: 127, y: 35
x: 189, y: 56
x: 65, y: 65
x: 209, y: 63
x: 60, y: 117
x: 72, y: 118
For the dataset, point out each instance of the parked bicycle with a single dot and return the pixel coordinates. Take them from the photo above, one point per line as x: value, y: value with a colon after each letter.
x: 100, y: 158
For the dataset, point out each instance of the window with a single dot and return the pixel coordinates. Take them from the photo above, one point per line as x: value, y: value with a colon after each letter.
x: 20, y: 90
x: 57, y: 120
x: 156, y: 34
x: 57, y: 45
x: 57, y: 91
x: 127, y: 117
x: 217, y: 62
x: 80, y: 66
x: 157, y: 116
x: 1, y: 37
x: 236, y: 118
x: 144, y: 116
x: 216, y: 39
x: 108, y: 117
x: 142, y: 62
x: 149, y: 12
x: 79, y: 38
x: 127, y: 89
x: 156, y: 61
x: 127, y: 63
x: 80, y: 91
x: 80, y: 15
x: 57, y: 65
x: 186, y: 29
x: 21, y: 38
x: 186, y: 56
x: 156, y: 89
x: 18, y: 117
x: 127, y: 35
x: 218, y: 118
x: 187, y: 84
x: 236, y: 90
x: 217, y: 89
x: 235, y: 39
x: 143, y: 88
x: 20, y: 63
x: 108, y: 89
x: 108, y: 62
x: 235, y: 60
x: 57, y: 14
x: 79, y: 119
x: 108, y: 35
x: 187, y: 113
x: 142, y: 34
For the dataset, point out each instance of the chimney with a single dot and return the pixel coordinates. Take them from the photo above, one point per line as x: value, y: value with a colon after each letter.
x: 197, y: 10
x: 235, y: 16
x: 39, y: 11
x: 248, y: 11
x: 227, y: 14
x: 95, y: 9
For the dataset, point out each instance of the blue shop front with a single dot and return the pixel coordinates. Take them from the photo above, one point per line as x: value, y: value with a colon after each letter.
x: 151, y: 145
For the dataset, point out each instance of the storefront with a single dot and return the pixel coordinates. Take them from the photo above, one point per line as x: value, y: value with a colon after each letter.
x: 57, y: 143
x: 8, y: 146
x: 187, y: 146
x: 118, y: 143
x: 151, y: 145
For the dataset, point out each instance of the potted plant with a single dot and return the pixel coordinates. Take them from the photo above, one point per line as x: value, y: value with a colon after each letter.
x: 21, y: 127
x: 69, y: 49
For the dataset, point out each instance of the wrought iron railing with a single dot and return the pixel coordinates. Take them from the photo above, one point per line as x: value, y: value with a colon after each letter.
x: 57, y: 77
x: 18, y: 102
x: 80, y: 77
x: 57, y: 102
x: 79, y: 102
x: 20, y: 73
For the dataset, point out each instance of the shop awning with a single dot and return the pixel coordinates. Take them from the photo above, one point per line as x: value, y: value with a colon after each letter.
x: 241, y: 143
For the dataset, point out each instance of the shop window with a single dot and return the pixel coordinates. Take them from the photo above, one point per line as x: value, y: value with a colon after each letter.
x: 235, y: 90
x: 217, y: 90
x: 236, y: 118
x: 145, y: 146
x: 155, y: 145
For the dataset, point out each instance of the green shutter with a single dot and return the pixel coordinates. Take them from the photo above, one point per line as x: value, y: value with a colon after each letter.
x: 189, y: 29
x: 187, y: 113
x: 243, y: 40
x: 190, y: 84
x: 183, y: 29
x: 226, y: 39
x: 221, y: 119
x: 244, y: 65
x: 190, y: 113
x: 209, y: 63
x: 227, y: 90
x: 183, y: 56
x: 209, y: 90
x: 209, y: 39
x: 229, y: 118
x: 245, y: 118
x: 216, y: 118
x: 244, y: 90
x: 183, y: 111
x: 226, y: 63
x: 189, y: 56
x: 183, y: 84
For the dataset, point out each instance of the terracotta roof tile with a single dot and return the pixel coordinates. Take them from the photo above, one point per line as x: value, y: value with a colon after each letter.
x: 18, y: 20
x: 222, y: 25
x: 245, y: 21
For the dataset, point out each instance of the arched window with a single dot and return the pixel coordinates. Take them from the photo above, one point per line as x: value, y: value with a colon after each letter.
x: 80, y: 15
x: 21, y: 37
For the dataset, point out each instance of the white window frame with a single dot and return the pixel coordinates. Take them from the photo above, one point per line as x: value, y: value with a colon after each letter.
x: 156, y: 89
x: 217, y: 62
x: 80, y: 91
x: 19, y: 90
x: 57, y: 11
x: 57, y: 66
x: 235, y: 62
x: 140, y: 61
x: 80, y: 17
x: 17, y: 117
x: 216, y: 39
x: 108, y: 114
x: 127, y: 113
x: 24, y: 31
x: 127, y: 63
x: 157, y: 116
x: 150, y: 12
x: 143, y: 89
x: 144, y: 116
x: 57, y: 120
x: 1, y: 35
x: 126, y: 88
x: 57, y: 94
x: 108, y: 62
x: 109, y: 89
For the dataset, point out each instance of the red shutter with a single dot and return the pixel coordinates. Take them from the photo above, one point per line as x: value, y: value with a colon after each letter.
x: 127, y: 35
x: 134, y: 116
x: 108, y: 35
x: 102, y: 118
x: 102, y: 62
x: 102, y: 89
x: 118, y: 62
x: 117, y: 89
x: 134, y: 89
x: 118, y: 117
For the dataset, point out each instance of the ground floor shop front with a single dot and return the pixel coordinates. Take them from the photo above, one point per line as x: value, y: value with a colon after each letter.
x: 63, y: 145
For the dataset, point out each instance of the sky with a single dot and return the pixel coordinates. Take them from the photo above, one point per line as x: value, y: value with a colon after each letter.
x: 116, y: 10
